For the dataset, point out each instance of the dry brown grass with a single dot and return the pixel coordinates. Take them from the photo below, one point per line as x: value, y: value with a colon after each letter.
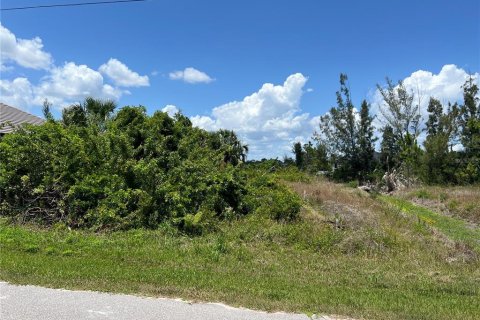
x: 351, y: 208
x: 368, y: 225
x: 459, y: 201
x: 372, y: 225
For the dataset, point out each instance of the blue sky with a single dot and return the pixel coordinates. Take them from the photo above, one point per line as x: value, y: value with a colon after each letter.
x: 234, y: 49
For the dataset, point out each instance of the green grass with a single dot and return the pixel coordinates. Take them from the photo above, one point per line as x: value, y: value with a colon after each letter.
x: 453, y: 228
x: 251, y: 263
x: 462, y: 202
x: 376, y: 264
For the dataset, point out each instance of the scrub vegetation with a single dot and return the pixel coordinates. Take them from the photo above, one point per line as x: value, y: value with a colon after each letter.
x: 122, y: 201
x: 102, y: 170
x: 348, y: 252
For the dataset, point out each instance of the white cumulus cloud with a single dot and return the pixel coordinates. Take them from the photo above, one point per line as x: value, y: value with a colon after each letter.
x: 27, y: 53
x: 64, y: 85
x: 73, y: 83
x: 122, y: 75
x: 446, y: 86
x: 170, y: 109
x: 17, y: 92
x: 190, y: 75
x: 269, y: 120
x: 61, y: 85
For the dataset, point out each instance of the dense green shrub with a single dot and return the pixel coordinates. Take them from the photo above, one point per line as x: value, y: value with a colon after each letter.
x: 272, y: 199
x: 96, y: 169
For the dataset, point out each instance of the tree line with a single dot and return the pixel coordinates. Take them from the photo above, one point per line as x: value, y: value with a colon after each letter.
x: 344, y: 145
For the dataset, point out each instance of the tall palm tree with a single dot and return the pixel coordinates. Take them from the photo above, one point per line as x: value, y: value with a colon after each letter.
x: 234, y: 150
x: 92, y: 110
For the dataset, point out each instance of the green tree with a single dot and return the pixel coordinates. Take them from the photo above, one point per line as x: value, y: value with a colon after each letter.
x: 74, y: 115
x: 410, y: 155
x: 314, y: 157
x: 389, y: 150
x: 366, y: 141
x: 234, y: 150
x: 47, y: 113
x: 298, y: 151
x: 399, y: 111
x: 340, y: 131
x: 91, y: 112
x: 401, y: 116
x: 469, y: 120
x: 439, y: 158
x: 435, y: 110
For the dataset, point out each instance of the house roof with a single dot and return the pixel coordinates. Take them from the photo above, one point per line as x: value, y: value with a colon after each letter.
x: 11, y: 117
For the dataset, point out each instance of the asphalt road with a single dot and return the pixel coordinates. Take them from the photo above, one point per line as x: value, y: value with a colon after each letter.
x: 31, y: 302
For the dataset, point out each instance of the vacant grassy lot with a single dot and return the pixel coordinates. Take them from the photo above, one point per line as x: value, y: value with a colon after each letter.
x: 455, y: 229
x: 459, y: 201
x: 350, y: 254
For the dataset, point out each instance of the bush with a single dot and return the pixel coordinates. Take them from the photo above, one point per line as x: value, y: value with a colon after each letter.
x: 273, y: 199
x: 100, y: 170
x: 281, y: 205
x: 352, y: 184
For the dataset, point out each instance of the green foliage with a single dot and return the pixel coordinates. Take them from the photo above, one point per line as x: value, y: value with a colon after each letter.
x: 196, y: 223
x: 350, y: 140
x: 46, y: 110
x: 345, y: 149
x: 454, y: 228
x: 366, y: 141
x: 92, y: 112
x: 292, y: 174
x: 281, y: 205
x: 311, y: 157
x: 423, y: 194
x: 38, y: 165
x: 446, y: 127
x: 234, y: 151
x: 315, y: 157
x: 96, y: 169
x: 389, y: 150
x: 383, y: 253
x: 399, y: 111
x: 273, y: 199
x: 410, y: 155
x: 469, y: 121
x: 352, y: 184
x: 340, y: 130
x: 297, y: 150
x: 438, y: 159
x: 280, y: 170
